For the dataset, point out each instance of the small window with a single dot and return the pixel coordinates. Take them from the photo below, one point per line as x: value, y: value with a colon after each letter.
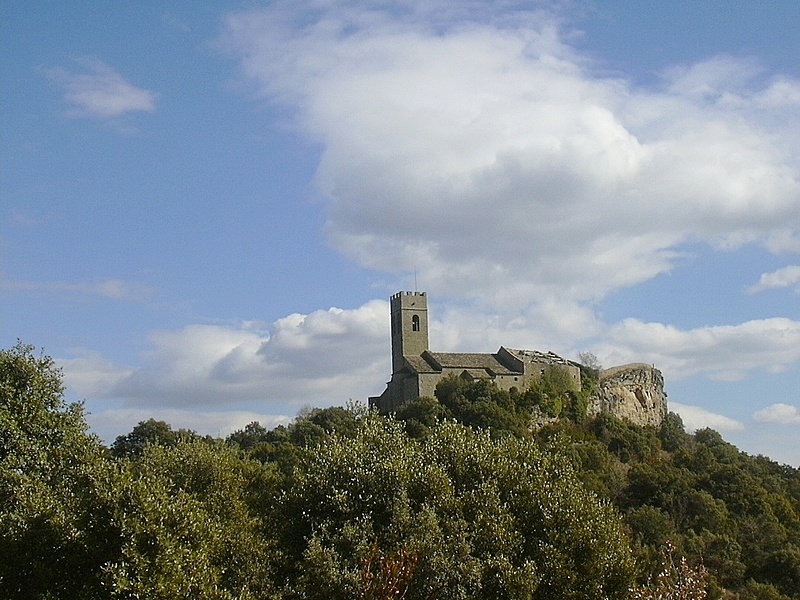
x: 415, y: 323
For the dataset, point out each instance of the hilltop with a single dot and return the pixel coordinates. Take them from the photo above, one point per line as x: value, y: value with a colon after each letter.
x: 476, y: 493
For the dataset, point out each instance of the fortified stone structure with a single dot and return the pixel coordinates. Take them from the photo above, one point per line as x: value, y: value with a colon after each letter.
x: 416, y: 370
x: 634, y: 392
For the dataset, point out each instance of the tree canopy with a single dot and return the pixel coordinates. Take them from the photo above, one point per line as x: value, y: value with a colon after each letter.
x: 51, y: 473
x: 478, y: 517
x: 468, y: 495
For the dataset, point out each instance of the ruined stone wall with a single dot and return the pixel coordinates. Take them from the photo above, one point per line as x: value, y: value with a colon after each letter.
x: 634, y: 392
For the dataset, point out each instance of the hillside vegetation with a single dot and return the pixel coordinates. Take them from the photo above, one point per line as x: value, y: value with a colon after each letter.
x: 475, y: 494
x: 698, y: 496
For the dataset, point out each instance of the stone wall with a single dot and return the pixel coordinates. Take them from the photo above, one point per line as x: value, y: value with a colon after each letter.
x: 634, y: 392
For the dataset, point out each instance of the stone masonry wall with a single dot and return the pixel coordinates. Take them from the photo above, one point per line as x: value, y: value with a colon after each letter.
x: 634, y: 392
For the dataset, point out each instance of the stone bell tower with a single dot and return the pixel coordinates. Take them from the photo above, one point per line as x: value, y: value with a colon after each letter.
x: 409, y: 326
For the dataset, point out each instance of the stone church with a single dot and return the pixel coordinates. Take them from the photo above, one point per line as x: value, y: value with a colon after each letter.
x: 634, y: 392
x: 416, y: 369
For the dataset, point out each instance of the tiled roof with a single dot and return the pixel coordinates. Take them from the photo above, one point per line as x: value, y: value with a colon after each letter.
x: 468, y: 361
x: 475, y: 373
x: 420, y: 365
x: 436, y: 362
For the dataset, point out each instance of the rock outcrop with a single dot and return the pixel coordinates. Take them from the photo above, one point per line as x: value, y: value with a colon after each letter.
x: 634, y: 392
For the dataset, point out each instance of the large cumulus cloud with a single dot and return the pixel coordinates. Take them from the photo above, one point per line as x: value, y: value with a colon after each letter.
x: 499, y: 163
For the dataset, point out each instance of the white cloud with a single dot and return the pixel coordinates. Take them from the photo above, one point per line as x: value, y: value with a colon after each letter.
x: 320, y: 359
x: 727, y: 82
x: 102, y: 92
x: 548, y: 325
x: 781, y: 92
x: 716, y: 79
x: 114, y: 289
x: 493, y: 159
x: 695, y: 418
x: 90, y: 375
x: 782, y: 414
x: 782, y: 278
x: 726, y: 352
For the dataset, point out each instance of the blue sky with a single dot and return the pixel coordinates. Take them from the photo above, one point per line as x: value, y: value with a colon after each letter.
x: 204, y: 209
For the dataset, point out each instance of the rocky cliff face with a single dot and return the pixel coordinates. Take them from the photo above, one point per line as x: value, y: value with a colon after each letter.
x: 634, y: 392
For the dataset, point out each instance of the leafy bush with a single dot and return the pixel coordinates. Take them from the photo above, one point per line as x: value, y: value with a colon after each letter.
x: 483, y: 518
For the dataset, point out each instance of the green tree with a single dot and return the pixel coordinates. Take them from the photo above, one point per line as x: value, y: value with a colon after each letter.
x: 760, y: 591
x: 189, y: 525
x: 248, y: 438
x: 481, y: 405
x: 672, y: 433
x: 782, y: 568
x: 336, y: 420
x: 421, y: 415
x: 651, y: 526
x: 551, y: 393
x: 478, y: 517
x: 146, y: 433
x: 627, y: 441
x: 54, y: 536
